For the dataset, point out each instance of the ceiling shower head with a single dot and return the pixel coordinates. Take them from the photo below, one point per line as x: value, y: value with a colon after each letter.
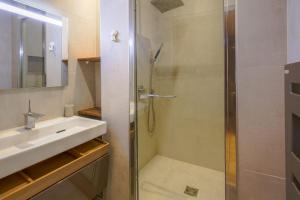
x: 166, y: 5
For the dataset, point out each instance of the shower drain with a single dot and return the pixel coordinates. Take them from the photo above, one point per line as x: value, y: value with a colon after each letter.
x: 191, y: 191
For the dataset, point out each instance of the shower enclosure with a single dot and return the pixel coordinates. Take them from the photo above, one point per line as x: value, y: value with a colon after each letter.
x: 184, y: 100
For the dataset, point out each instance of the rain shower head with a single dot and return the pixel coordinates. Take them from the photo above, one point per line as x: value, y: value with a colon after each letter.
x: 166, y: 5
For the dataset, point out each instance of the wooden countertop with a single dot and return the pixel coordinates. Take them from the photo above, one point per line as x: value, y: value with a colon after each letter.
x: 91, y: 112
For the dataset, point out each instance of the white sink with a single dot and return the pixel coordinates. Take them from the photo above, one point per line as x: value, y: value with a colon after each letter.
x: 21, y: 148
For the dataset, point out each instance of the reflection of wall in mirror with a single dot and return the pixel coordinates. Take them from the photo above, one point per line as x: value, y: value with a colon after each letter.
x: 5, y: 50
x: 32, y: 40
x: 10, y: 34
x: 53, y: 56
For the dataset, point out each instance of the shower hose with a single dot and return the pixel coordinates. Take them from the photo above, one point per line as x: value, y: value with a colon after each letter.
x: 151, y: 115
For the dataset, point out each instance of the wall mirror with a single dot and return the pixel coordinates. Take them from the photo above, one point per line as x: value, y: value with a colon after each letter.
x: 33, y: 47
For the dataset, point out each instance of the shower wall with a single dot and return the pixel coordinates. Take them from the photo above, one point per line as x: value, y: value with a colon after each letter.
x: 148, y: 38
x: 189, y: 128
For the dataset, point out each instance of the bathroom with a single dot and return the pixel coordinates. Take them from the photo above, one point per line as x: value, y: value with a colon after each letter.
x: 149, y: 99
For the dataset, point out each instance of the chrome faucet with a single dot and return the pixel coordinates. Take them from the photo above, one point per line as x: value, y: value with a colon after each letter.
x: 31, y: 118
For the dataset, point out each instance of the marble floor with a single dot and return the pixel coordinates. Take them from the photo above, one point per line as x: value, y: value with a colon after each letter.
x: 166, y: 179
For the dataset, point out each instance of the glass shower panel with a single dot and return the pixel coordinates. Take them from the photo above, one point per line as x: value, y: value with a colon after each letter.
x: 180, y: 99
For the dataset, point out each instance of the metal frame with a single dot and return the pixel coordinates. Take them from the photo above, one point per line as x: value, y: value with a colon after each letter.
x: 133, y: 137
x: 44, y: 75
x: 231, y: 194
x: 230, y: 95
x: 21, y: 56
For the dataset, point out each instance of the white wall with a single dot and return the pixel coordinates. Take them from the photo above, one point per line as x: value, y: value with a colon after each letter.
x: 32, y: 33
x: 115, y: 92
x: 5, y: 50
x: 53, y: 58
x: 293, y: 31
x: 15, y: 63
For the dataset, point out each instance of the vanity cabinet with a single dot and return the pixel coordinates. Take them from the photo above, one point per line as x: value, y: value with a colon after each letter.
x: 81, y: 171
x: 86, y: 184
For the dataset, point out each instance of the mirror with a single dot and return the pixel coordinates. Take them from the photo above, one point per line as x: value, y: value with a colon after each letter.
x: 31, y: 48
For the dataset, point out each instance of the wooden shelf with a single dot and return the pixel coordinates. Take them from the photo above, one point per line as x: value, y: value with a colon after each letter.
x: 31, y: 181
x: 89, y: 59
x: 91, y: 112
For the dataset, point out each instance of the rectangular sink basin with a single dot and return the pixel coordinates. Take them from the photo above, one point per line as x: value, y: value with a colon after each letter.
x: 21, y: 148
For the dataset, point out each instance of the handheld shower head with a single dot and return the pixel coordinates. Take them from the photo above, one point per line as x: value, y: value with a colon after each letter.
x: 158, y: 52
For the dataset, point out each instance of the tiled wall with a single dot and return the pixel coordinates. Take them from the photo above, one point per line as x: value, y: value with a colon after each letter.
x: 149, y: 21
x: 83, y: 41
x: 190, y: 128
x: 261, y: 53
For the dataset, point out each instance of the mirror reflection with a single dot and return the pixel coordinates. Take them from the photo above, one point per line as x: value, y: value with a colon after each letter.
x: 31, y: 49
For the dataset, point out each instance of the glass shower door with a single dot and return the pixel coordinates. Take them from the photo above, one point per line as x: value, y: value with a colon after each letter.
x: 180, y: 81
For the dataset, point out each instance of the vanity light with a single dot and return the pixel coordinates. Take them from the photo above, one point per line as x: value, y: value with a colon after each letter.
x: 29, y: 14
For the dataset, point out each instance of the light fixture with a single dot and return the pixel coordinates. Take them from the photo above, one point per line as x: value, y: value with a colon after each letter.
x: 29, y: 14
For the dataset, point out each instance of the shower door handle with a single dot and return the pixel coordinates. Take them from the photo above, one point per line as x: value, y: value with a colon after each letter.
x: 148, y: 96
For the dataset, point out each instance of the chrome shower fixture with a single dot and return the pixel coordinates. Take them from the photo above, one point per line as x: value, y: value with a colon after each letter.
x: 166, y: 5
x: 154, y: 59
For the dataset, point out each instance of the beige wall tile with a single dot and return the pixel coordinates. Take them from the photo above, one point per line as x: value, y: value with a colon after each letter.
x: 261, y: 33
x: 147, y: 142
x: 261, y: 137
x: 149, y: 21
x: 261, y: 51
x: 189, y: 128
x: 256, y: 186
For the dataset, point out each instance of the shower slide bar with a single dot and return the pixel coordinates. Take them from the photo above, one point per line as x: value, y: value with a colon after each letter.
x: 148, y: 96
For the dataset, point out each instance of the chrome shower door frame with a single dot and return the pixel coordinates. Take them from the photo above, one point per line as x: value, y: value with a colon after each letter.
x: 230, y: 100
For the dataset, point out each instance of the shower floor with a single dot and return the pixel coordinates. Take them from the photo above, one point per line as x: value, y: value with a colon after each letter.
x: 165, y: 179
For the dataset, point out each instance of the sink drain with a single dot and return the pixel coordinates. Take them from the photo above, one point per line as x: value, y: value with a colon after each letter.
x: 60, y: 131
x: 191, y: 191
